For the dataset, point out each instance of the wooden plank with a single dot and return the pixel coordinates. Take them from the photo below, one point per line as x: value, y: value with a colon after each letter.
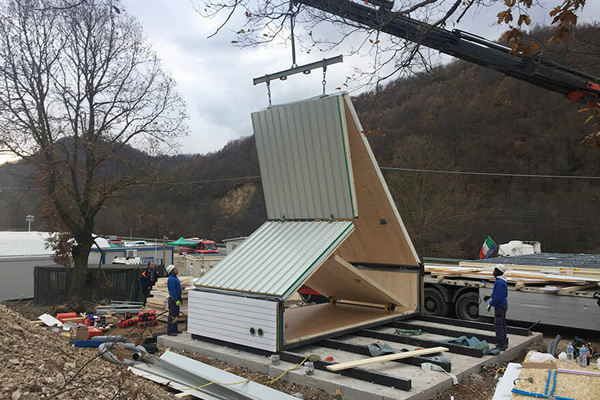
x: 446, y: 331
x: 364, y: 350
x: 513, y: 330
x: 415, y: 341
x: 570, y: 289
x: 388, y: 357
x: 379, y: 378
x: 339, y: 279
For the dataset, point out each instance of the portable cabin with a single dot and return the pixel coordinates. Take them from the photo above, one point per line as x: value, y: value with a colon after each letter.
x: 332, y: 226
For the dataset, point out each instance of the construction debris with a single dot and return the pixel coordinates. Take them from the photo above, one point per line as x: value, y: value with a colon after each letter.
x: 42, y: 364
x: 196, y: 378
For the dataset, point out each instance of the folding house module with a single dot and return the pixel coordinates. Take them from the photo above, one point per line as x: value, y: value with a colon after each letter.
x: 332, y: 226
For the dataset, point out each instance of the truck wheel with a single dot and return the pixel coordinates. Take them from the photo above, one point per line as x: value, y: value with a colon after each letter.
x: 434, y: 303
x: 467, y: 307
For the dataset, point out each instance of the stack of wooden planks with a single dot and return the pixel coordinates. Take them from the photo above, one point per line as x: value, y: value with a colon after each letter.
x: 160, y: 295
x: 554, y: 282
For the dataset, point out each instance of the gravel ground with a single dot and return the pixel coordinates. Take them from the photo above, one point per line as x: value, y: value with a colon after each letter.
x: 44, y: 365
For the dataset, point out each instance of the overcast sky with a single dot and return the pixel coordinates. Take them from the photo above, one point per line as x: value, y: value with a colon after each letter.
x: 215, y: 77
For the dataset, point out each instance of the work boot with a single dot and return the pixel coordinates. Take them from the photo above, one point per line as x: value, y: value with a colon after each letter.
x: 172, y: 333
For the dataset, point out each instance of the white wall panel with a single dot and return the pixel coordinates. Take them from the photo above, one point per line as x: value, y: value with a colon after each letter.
x: 305, y: 159
x: 230, y: 318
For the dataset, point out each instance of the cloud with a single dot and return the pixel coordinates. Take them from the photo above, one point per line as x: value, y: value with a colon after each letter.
x: 215, y: 77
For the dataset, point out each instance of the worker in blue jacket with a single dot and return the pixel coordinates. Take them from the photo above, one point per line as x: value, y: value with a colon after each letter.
x: 174, y: 301
x: 500, y: 303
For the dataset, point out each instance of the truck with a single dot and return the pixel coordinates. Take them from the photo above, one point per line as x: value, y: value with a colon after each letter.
x: 458, y: 292
x: 546, y: 288
x: 204, y: 246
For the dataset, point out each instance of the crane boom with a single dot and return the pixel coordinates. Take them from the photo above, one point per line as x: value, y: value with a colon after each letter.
x: 537, y: 70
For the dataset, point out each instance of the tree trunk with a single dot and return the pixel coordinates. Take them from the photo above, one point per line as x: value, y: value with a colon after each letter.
x: 81, y: 253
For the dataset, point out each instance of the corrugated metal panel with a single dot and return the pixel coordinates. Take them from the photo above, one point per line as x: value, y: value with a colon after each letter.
x: 240, y: 320
x: 278, y: 257
x: 305, y: 160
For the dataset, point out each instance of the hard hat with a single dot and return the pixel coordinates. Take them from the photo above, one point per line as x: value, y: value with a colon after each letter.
x: 501, y: 268
x: 170, y: 268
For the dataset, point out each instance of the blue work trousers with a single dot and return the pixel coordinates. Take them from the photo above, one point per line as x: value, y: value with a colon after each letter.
x: 173, y: 313
x: 500, y: 325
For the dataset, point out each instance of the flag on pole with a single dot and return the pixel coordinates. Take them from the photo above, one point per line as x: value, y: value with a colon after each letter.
x: 488, y: 248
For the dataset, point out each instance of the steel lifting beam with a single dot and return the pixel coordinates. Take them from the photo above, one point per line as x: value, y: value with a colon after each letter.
x: 513, y: 330
x: 364, y: 350
x: 453, y: 333
x: 356, y: 373
x: 305, y: 69
x: 454, y: 348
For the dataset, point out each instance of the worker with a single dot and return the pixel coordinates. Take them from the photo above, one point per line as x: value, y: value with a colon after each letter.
x: 174, y: 301
x: 149, y: 278
x: 500, y: 303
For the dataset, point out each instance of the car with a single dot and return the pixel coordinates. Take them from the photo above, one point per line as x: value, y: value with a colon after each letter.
x: 136, y: 243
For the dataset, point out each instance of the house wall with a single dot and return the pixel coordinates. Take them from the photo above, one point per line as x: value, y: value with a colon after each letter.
x: 17, y: 276
x: 233, y: 319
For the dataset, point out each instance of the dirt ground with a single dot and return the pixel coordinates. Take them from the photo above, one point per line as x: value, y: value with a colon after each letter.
x: 47, y: 366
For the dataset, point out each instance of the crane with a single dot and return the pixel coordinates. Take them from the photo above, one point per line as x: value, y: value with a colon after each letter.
x: 535, y: 69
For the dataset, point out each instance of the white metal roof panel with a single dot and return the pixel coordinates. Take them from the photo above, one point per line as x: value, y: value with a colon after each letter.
x: 305, y: 159
x: 20, y: 244
x: 278, y: 257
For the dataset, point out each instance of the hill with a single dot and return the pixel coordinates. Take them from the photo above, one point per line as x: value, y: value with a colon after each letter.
x: 461, y: 149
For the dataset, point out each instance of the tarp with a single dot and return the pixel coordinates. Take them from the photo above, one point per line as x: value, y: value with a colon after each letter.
x: 182, y: 242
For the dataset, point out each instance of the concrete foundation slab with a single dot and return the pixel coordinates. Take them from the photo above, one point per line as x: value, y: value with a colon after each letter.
x: 425, y: 385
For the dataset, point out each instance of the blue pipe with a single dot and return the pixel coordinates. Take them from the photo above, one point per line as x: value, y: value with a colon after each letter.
x: 547, y: 382
x: 554, y: 383
x: 539, y: 395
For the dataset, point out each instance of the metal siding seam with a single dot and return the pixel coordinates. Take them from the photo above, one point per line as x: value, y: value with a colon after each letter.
x: 284, y: 164
x: 328, y: 155
x: 294, y: 168
x: 314, y: 198
x: 319, y: 180
x: 303, y: 166
x: 276, y: 156
x: 339, y: 205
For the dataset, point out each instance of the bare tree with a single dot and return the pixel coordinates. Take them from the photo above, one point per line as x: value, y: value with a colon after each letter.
x: 274, y: 21
x: 431, y: 204
x: 78, y: 86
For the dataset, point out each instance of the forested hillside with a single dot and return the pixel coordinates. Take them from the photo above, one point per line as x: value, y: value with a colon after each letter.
x: 442, y: 141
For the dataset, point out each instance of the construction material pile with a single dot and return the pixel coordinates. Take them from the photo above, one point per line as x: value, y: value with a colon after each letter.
x: 39, y: 363
x: 160, y: 295
x: 554, y: 282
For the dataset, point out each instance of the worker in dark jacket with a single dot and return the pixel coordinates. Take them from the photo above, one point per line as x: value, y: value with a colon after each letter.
x: 174, y: 301
x: 500, y: 303
x: 149, y: 278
